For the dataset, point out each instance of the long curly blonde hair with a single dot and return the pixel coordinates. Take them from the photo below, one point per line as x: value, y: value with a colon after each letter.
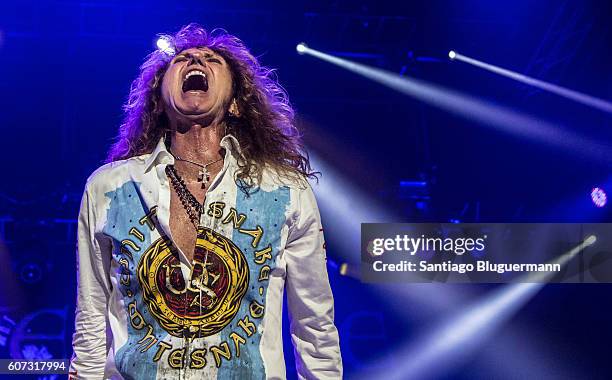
x: 265, y: 129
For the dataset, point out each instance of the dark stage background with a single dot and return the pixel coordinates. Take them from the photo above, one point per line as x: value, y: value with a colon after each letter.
x: 66, y: 67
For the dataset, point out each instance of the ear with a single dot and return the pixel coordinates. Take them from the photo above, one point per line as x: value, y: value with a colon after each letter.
x: 233, y: 108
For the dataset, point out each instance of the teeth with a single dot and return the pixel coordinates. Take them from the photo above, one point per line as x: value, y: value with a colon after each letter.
x: 195, y: 72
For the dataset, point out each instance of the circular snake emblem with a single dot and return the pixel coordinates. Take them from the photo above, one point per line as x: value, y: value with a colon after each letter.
x: 205, y: 303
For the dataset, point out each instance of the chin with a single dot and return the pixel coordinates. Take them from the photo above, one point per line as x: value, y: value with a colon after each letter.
x: 192, y: 110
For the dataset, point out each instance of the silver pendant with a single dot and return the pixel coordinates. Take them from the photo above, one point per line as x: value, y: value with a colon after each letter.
x: 204, y: 177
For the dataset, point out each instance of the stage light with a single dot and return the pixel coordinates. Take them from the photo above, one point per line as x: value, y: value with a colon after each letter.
x: 31, y: 273
x: 301, y: 48
x: 599, y: 197
x: 590, y: 240
x: 164, y: 44
x: 499, y: 117
x: 585, y: 99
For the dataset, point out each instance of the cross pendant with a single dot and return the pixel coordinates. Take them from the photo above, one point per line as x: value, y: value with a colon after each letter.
x: 204, y: 177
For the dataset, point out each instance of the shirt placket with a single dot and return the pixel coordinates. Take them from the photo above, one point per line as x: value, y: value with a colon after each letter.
x: 163, y: 206
x: 205, y: 221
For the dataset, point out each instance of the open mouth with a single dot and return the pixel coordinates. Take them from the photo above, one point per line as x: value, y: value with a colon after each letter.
x: 195, y: 80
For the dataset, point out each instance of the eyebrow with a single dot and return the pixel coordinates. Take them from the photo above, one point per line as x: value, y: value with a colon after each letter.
x: 207, y: 54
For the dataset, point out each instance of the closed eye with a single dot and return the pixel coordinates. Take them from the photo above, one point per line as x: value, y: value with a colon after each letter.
x: 215, y: 60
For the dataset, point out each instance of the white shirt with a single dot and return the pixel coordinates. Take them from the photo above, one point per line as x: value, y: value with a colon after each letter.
x: 145, y: 312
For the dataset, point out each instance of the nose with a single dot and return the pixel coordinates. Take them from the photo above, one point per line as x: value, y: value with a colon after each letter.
x: 196, y: 59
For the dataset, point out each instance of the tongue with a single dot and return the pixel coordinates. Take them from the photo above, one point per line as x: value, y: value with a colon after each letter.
x: 195, y: 83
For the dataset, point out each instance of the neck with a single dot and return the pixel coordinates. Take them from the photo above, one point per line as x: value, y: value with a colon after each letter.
x: 198, y: 143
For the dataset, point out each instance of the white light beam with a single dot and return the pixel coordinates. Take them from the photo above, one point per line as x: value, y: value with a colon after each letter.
x: 501, y: 118
x: 579, y: 97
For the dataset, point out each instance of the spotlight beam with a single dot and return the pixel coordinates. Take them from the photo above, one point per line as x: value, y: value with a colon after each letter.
x: 579, y: 97
x: 429, y: 298
x: 463, y: 332
x: 501, y: 118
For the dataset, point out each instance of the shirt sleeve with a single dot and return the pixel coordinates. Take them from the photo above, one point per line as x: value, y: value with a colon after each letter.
x: 89, y: 339
x: 311, y: 304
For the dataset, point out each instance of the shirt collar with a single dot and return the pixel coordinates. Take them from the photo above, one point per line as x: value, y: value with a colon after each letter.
x: 161, y: 154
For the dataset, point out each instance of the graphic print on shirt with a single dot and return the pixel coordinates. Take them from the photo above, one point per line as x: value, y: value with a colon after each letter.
x: 211, y: 297
x: 130, y: 227
x: 267, y: 210
x: 226, y: 290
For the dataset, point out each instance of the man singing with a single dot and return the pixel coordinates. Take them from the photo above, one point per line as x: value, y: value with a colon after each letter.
x: 188, y: 237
